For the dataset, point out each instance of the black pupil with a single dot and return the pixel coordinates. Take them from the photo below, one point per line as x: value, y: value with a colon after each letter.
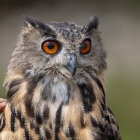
x: 84, y: 45
x: 50, y: 46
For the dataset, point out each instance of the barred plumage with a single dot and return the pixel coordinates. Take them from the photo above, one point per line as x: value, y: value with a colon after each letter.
x: 59, y: 96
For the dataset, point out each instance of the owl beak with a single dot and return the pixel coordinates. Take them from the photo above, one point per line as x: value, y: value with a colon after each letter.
x: 72, y: 64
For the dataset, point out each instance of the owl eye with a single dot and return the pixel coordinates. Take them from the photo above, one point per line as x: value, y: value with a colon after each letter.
x: 50, y: 46
x: 85, y: 46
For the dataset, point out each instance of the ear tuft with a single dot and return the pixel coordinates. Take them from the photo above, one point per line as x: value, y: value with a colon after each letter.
x: 35, y: 23
x: 45, y: 29
x: 30, y: 21
x: 93, y: 24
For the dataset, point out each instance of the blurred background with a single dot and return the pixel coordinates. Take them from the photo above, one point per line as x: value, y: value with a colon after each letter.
x: 120, y: 27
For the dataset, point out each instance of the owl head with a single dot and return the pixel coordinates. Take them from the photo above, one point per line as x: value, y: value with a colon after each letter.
x: 58, y: 48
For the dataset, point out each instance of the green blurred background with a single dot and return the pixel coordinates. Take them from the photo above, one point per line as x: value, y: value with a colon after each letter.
x: 120, y: 27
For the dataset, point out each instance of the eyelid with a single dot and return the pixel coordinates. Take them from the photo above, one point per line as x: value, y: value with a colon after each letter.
x: 53, y: 39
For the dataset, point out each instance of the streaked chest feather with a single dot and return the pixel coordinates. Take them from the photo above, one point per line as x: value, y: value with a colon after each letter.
x: 43, y: 108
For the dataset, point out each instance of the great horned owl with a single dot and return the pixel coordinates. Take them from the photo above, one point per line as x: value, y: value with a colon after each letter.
x: 55, y: 85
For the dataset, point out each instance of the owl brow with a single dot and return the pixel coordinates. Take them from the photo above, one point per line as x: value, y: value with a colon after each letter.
x: 46, y: 30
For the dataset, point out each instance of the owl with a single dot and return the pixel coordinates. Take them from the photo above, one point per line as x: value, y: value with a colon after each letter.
x: 55, y: 85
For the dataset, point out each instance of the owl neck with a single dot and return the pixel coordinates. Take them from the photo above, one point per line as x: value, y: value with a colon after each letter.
x: 43, y: 96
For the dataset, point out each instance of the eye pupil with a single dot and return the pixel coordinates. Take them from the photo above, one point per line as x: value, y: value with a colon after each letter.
x: 50, y: 46
x: 84, y: 45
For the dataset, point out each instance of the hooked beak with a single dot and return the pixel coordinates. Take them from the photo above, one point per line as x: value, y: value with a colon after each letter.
x: 72, y: 64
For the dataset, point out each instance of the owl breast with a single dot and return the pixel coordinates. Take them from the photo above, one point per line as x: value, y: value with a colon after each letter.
x: 51, y: 108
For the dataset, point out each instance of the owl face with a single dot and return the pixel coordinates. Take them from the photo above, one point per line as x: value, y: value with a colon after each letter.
x: 59, y: 48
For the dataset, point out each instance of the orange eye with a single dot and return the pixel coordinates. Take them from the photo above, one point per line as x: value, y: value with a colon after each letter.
x: 50, y: 46
x: 85, y: 46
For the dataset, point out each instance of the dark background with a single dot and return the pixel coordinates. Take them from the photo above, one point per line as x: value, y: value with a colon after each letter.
x: 120, y: 27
